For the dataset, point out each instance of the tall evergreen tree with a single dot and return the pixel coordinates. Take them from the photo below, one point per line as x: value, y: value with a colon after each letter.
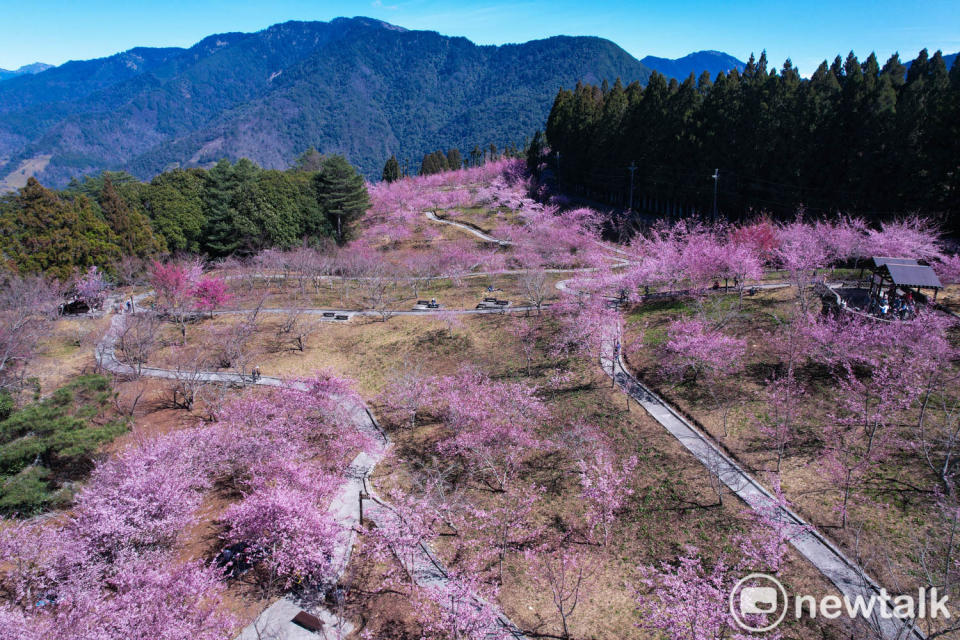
x: 454, y: 160
x: 131, y: 227
x: 391, y: 170
x: 342, y: 195
x: 40, y: 231
x: 174, y: 201
x: 535, y: 154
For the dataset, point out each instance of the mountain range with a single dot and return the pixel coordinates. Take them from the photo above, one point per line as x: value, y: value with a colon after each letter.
x: 356, y: 86
x: 695, y: 63
x: 36, y: 67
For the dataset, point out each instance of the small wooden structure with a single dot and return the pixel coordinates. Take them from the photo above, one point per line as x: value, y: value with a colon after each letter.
x: 904, y: 274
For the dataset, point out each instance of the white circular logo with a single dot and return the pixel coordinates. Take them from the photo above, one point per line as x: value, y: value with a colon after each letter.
x: 762, y: 598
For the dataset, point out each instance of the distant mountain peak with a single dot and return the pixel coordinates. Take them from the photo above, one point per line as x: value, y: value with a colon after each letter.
x: 370, y: 22
x: 27, y: 69
x: 695, y: 63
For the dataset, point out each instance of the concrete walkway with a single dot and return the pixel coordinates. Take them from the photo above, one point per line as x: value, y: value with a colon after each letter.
x: 480, y: 234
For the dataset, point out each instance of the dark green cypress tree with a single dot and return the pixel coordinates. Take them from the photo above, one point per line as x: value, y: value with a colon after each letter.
x: 535, y: 154
x: 220, y: 237
x: 454, y: 161
x: 342, y: 195
x: 391, y: 170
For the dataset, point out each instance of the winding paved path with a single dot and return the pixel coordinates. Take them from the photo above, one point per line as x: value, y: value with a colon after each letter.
x: 480, y: 234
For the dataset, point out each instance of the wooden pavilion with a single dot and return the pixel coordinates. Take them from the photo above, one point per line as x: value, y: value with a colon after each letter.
x: 904, y: 274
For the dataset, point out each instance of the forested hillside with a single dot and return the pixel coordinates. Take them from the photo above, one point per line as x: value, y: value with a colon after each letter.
x: 359, y: 87
x: 857, y: 137
x: 115, y: 222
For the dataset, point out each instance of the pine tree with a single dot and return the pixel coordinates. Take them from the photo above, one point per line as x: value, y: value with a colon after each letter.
x: 391, y: 170
x: 535, y: 154
x: 454, y: 161
x: 342, y: 195
x: 131, y: 227
x: 220, y: 237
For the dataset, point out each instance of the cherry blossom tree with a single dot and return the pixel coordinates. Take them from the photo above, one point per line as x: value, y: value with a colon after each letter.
x: 211, y: 293
x: 910, y: 237
x: 409, y: 523
x: 606, y: 487
x: 705, y: 354
x: 780, y: 421
x: 27, y: 306
x: 408, y: 390
x: 91, y: 288
x: 508, y: 526
x: 173, y: 284
x: 143, y: 498
x: 759, y: 236
x: 565, y: 573
x: 801, y: 251
x: 493, y: 425
x: 948, y: 269
x: 688, y: 600
x: 288, y: 528
x: 526, y: 333
x: 861, y: 436
x: 453, y: 610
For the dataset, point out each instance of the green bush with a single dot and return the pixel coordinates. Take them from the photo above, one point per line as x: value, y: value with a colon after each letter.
x: 52, y: 441
x: 6, y: 405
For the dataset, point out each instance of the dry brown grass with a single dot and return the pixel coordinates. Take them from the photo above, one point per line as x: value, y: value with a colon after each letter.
x: 333, y: 293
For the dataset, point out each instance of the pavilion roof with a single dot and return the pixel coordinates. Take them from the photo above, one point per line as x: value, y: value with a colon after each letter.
x: 912, y: 275
x: 879, y: 261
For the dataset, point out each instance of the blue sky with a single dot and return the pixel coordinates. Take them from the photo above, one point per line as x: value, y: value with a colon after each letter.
x: 55, y: 31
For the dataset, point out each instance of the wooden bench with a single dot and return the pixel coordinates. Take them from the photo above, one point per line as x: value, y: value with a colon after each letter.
x: 502, y: 303
x: 308, y: 621
x: 328, y: 314
x: 489, y: 299
x: 341, y: 317
x: 423, y: 302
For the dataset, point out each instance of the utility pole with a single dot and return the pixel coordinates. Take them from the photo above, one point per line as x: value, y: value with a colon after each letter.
x: 716, y: 180
x: 558, y: 170
x: 631, y: 168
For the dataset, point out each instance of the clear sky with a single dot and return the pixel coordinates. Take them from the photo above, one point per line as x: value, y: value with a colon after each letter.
x: 55, y: 31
